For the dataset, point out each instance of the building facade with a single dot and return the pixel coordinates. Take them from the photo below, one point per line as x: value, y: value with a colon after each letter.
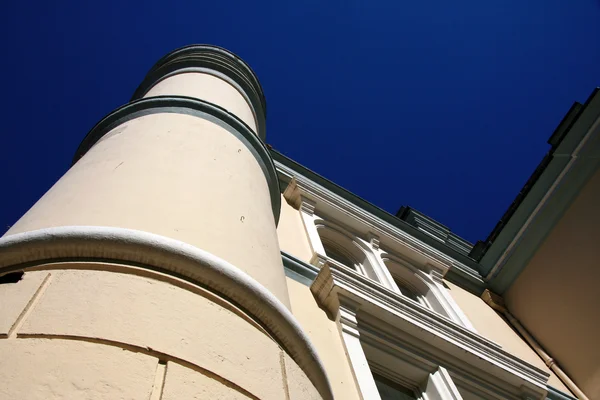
x: 182, y: 258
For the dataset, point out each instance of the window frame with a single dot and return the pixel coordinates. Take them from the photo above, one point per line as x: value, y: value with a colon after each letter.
x: 357, y: 249
x: 426, y: 278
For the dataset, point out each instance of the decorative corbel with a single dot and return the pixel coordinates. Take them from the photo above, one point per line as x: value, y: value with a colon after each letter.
x: 373, y: 240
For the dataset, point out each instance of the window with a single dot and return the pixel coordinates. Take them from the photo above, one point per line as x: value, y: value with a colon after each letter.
x: 339, y: 256
x: 411, y: 292
x: 414, y: 283
x: 389, y: 390
x: 345, y: 248
x: 419, y: 285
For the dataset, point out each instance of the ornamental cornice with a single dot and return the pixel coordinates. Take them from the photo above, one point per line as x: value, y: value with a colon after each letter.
x: 302, y: 193
x: 203, y: 58
x: 428, y: 332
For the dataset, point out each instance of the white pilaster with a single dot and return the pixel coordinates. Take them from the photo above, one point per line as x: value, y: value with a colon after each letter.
x: 450, y: 306
x: 387, y: 281
x: 307, y: 213
x: 358, y: 360
x: 439, y: 386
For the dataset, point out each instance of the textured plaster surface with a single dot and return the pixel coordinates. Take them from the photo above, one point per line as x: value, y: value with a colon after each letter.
x: 42, y: 369
x: 146, y: 249
x: 299, y: 386
x: 556, y: 297
x: 326, y: 338
x: 182, y: 383
x: 160, y: 317
x: 292, y: 235
x: 178, y: 176
x: 15, y: 296
x: 208, y: 88
x: 492, y: 326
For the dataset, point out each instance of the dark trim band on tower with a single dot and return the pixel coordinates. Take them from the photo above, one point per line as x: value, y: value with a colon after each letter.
x: 213, y: 58
x: 194, y: 107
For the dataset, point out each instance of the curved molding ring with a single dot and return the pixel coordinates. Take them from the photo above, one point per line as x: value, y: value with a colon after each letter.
x: 214, y: 58
x: 198, y: 108
x: 208, y: 71
x: 78, y: 243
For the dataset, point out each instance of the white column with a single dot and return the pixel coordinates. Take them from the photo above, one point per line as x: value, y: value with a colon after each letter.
x: 385, y: 277
x: 358, y: 360
x: 307, y: 213
x: 439, y: 386
x: 448, y: 303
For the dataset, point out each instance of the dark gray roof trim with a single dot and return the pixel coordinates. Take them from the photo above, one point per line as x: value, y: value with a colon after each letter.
x: 298, y: 269
x: 555, y: 394
x: 465, y: 275
x: 515, y: 240
x: 214, y: 58
x: 435, y: 229
x: 198, y: 108
x: 554, y: 141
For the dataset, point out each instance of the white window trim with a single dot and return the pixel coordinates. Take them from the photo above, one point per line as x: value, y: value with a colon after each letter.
x: 406, y: 285
x: 353, y: 216
x: 407, y: 331
x: 432, y: 278
x: 358, y: 360
x: 438, y: 386
x: 473, y: 361
x: 312, y: 223
x: 307, y: 214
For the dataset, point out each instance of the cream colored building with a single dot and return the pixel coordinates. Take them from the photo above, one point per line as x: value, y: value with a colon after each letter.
x: 181, y: 258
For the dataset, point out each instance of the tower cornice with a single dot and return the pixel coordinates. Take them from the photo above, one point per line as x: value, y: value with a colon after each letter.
x: 213, y: 60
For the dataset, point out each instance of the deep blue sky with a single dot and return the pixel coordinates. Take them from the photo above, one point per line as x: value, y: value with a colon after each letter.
x: 443, y: 106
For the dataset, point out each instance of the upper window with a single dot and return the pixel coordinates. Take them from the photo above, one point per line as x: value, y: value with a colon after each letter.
x: 395, y: 272
x: 389, y: 390
x: 338, y: 255
x: 410, y: 291
x: 414, y: 283
x: 343, y: 247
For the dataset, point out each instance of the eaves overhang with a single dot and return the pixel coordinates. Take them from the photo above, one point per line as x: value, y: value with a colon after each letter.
x: 571, y: 162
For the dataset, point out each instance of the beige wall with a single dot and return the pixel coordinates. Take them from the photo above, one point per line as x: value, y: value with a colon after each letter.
x: 178, y: 176
x: 493, y: 327
x: 56, y: 368
x: 98, y: 331
x: 291, y: 233
x: 325, y: 336
x: 293, y: 239
x: 556, y: 297
x: 209, y: 88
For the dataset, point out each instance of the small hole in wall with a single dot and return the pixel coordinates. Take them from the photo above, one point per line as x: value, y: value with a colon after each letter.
x: 11, y: 277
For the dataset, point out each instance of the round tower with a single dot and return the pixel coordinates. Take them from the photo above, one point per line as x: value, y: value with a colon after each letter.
x: 152, y: 269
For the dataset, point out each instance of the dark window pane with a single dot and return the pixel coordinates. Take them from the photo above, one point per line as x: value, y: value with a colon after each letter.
x: 407, y: 291
x: 389, y: 390
x: 338, y: 256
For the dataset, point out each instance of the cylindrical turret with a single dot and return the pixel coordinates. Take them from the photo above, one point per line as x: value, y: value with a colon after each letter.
x: 181, y: 165
x: 152, y: 268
